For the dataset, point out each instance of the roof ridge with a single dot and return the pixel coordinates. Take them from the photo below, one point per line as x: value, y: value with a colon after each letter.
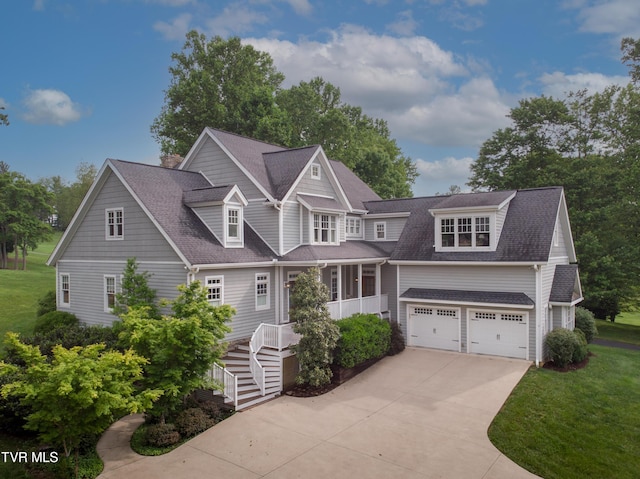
x: 285, y: 150
x: 147, y: 165
x: 246, y: 137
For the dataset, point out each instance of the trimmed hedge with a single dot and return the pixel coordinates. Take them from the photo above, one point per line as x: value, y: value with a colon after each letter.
x: 362, y: 337
x: 586, y: 322
x: 566, y: 347
x: 54, y: 320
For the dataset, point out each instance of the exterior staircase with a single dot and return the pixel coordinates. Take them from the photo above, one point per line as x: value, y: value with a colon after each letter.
x: 248, y: 392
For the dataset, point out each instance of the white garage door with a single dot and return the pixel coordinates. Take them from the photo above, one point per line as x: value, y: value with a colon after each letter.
x: 432, y: 327
x: 498, y: 333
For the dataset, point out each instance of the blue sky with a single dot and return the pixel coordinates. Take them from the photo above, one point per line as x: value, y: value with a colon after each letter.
x: 82, y: 81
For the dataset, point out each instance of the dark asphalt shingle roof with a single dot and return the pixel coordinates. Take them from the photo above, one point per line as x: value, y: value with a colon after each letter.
x: 161, y: 191
x: 457, y: 296
x: 526, y: 234
x: 321, y: 202
x: 563, y: 289
x: 347, y: 250
x: 207, y: 194
x: 284, y: 167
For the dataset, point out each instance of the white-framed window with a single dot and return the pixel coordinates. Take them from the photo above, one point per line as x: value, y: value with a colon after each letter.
x: 262, y: 291
x: 109, y: 292
x: 334, y: 284
x: 215, y: 289
x: 353, y: 227
x: 65, y: 289
x: 234, y: 223
x: 315, y: 171
x: 325, y: 229
x: 380, y: 230
x: 114, y: 219
x: 465, y: 232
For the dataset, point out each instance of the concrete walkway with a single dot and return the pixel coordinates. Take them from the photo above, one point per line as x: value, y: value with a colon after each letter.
x: 421, y: 414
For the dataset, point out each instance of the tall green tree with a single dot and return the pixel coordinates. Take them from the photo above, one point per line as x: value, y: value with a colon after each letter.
x: 590, y: 144
x: 319, y: 332
x: 78, y: 393
x: 216, y: 83
x: 180, y: 348
x: 135, y: 291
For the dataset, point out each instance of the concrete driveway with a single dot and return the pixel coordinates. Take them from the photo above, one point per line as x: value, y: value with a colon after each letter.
x: 421, y: 414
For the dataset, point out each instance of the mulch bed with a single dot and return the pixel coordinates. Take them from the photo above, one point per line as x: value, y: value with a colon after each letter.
x: 570, y: 367
x: 340, y: 376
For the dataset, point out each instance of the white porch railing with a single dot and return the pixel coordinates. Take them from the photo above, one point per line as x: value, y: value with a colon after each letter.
x: 276, y: 336
x: 367, y: 305
x: 228, y: 380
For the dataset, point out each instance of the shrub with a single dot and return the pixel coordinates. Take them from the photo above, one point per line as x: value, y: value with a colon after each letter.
x: 561, y: 344
x: 586, y: 322
x: 362, y: 337
x: 73, y: 335
x: 47, y: 303
x: 162, y: 434
x: 580, y: 348
x: 54, y: 319
x: 193, y: 421
x: 397, y: 339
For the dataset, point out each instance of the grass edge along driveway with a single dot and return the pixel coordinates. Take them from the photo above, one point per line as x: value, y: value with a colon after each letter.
x: 579, y: 424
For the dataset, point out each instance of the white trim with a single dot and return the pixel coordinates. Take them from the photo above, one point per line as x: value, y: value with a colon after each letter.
x: 61, y: 302
x: 233, y: 241
x: 473, y: 232
x: 266, y: 281
x: 116, y: 261
x: 318, y: 175
x: 462, y: 263
x: 107, y: 234
x: 220, y: 287
x: 106, y: 293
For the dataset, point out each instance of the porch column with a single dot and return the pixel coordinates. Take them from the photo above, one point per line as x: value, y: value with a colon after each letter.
x: 360, y: 286
x: 379, y: 287
x: 339, y: 286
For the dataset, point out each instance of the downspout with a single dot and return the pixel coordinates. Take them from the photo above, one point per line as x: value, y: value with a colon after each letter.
x: 539, y: 325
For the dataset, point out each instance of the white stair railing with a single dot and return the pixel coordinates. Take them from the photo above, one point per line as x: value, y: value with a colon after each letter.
x: 256, y: 343
x: 228, y: 380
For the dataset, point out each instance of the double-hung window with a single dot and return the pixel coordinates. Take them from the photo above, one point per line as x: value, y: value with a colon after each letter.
x: 352, y: 227
x: 262, y: 291
x: 109, y: 293
x: 115, y: 223
x: 465, y: 232
x: 65, y: 290
x: 214, y: 285
x: 380, y: 230
x: 324, y: 229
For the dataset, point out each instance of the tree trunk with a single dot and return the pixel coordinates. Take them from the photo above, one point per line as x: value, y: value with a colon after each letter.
x: 15, y: 253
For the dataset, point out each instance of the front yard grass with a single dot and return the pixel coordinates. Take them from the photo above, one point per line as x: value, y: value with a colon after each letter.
x: 626, y: 328
x: 583, y: 423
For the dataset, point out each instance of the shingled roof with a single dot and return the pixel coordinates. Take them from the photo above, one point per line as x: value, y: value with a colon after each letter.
x: 565, y: 287
x: 526, y: 234
x: 457, y: 296
x: 161, y: 190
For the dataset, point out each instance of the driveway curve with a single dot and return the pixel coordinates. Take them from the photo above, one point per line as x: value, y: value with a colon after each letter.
x: 420, y: 414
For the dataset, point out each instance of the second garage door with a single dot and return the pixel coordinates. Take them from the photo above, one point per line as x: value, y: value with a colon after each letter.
x: 433, y: 327
x: 498, y: 333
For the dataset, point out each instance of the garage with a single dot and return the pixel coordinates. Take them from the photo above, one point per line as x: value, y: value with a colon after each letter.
x: 499, y: 333
x: 434, y: 327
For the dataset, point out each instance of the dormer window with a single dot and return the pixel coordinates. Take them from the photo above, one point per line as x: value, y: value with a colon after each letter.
x: 324, y: 229
x: 233, y: 227
x: 465, y: 232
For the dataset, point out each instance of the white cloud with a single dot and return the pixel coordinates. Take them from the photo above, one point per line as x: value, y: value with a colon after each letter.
x: 558, y: 84
x: 448, y: 168
x: 410, y: 82
x: 301, y: 7
x: 615, y: 17
x: 38, y: 5
x: 176, y: 29
x: 405, y: 24
x: 50, y: 107
x: 234, y: 19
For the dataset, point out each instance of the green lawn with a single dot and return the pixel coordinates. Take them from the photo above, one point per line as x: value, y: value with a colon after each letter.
x: 579, y: 424
x: 21, y: 290
x: 625, y: 329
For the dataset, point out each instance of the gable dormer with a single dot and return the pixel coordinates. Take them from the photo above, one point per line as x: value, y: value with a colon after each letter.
x: 221, y: 208
x: 470, y: 222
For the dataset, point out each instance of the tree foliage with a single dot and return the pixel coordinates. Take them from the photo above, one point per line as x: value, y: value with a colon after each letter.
x: 226, y: 85
x: 24, y: 210
x: 135, y: 291
x: 590, y: 144
x: 180, y: 348
x: 78, y: 393
x: 319, y: 332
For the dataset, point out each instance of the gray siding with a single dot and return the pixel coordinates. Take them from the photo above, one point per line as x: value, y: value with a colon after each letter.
x: 291, y: 220
x: 214, y: 163
x: 394, y: 227
x: 87, y: 285
x: 213, y: 218
x: 500, y: 217
x: 141, y: 237
x: 264, y: 220
x: 388, y: 287
x: 516, y: 279
x: 560, y: 250
x: 239, y: 286
x: 308, y: 185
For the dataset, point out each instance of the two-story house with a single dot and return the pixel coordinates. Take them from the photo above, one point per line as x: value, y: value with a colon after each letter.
x: 488, y: 273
